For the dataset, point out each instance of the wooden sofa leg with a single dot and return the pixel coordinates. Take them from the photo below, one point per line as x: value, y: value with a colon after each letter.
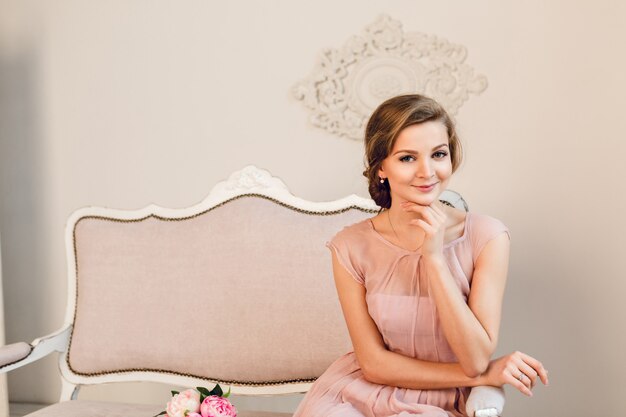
x: 69, y: 391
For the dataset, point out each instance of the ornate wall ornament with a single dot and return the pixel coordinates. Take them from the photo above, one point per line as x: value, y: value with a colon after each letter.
x: 348, y: 83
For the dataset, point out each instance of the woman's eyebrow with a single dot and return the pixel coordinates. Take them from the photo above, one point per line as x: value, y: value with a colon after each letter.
x: 415, y: 152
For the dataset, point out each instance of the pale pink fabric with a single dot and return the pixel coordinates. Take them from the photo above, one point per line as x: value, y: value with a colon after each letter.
x: 398, y: 301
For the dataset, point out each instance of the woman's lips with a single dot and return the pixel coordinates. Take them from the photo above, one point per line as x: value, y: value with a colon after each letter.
x: 425, y: 188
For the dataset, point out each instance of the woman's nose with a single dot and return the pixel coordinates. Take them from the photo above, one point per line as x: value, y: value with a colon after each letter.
x: 424, y: 169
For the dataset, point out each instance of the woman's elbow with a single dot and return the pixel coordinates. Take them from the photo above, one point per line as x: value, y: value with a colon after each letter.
x: 371, y: 375
x: 478, y: 364
x: 371, y: 370
x: 475, y: 369
x: 473, y: 372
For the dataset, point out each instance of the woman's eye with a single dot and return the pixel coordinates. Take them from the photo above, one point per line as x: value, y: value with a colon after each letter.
x: 404, y: 158
x: 440, y: 154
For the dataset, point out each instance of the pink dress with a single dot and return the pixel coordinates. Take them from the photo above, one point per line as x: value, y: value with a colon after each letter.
x: 398, y: 301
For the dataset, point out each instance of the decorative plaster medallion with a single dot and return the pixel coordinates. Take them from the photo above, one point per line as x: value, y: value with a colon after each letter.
x: 349, y: 83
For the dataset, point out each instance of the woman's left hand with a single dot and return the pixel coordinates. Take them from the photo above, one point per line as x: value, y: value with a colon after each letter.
x: 433, y: 222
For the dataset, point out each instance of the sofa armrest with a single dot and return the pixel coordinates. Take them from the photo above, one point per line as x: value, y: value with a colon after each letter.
x: 14, y: 352
x: 16, y: 355
x: 485, y: 401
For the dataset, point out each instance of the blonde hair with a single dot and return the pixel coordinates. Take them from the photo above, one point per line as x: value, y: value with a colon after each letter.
x: 383, y: 128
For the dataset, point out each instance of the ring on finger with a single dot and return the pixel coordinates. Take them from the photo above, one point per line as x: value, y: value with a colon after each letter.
x: 521, y: 376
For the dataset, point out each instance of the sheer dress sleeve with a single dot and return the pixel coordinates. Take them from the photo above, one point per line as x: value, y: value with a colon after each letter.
x: 484, y: 229
x: 347, y: 255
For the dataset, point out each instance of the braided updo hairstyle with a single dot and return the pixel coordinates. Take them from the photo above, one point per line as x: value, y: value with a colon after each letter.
x: 384, y: 126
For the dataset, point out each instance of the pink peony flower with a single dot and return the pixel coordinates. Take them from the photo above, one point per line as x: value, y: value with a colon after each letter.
x: 214, y: 406
x: 185, y: 402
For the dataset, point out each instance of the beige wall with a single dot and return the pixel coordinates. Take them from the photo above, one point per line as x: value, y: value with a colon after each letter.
x: 126, y: 103
x: 4, y: 395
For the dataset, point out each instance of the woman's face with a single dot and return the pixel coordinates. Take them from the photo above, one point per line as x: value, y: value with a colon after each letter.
x: 419, y: 166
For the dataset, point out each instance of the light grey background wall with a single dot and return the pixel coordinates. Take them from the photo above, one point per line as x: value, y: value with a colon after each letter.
x: 4, y: 395
x: 126, y: 103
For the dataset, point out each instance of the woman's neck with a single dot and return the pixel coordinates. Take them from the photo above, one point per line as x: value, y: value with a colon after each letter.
x: 400, y: 224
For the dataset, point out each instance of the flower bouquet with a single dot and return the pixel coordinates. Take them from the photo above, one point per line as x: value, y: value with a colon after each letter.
x: 200, y: 402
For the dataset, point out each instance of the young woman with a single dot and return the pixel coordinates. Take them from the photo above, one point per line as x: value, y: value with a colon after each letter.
x: 420, y: 284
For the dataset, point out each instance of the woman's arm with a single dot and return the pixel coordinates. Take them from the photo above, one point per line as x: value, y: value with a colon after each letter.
x: 380, y: 365
x: 472, y: 329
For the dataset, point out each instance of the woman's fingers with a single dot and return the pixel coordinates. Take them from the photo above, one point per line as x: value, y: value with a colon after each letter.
x: 537, y: 366
x: 512, y: 380
x: 441, y: 217
x: 528, y: 371
x: 417, y: 208
x: 520, y: 371
x: 423, y: 211
x: 427, y: 213
x: 428, y: 229
x: 438, y: 208
x: 513, y: 369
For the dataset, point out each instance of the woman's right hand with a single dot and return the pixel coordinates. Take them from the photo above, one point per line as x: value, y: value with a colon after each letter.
x: 509, y: 368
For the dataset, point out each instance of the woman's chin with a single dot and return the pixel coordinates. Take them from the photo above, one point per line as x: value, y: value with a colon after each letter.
x: 419, y: 197
x: 423, y: 200
x: 428, y: 199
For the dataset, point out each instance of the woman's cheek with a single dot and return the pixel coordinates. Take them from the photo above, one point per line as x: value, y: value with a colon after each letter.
x: 444, y: 171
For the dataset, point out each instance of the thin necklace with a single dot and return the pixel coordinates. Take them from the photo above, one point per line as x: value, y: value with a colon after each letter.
x: 395, y: 233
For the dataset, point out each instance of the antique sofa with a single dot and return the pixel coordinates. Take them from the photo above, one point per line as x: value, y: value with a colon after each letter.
x: 236, y: 290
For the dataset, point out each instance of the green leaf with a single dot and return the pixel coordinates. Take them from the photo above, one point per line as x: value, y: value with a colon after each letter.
x: 175, y: 392
x: 217, y: 390
x: 227, y: 394
x: 160, y: 414
x: 203, y: 393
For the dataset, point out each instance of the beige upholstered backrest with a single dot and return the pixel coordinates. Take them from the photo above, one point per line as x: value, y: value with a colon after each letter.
x: 241, y: 293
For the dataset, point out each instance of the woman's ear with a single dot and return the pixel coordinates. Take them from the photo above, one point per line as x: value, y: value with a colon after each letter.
x: 381, y: 173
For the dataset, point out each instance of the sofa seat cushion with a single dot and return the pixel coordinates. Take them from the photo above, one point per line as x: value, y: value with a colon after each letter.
x: 80, y: 408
